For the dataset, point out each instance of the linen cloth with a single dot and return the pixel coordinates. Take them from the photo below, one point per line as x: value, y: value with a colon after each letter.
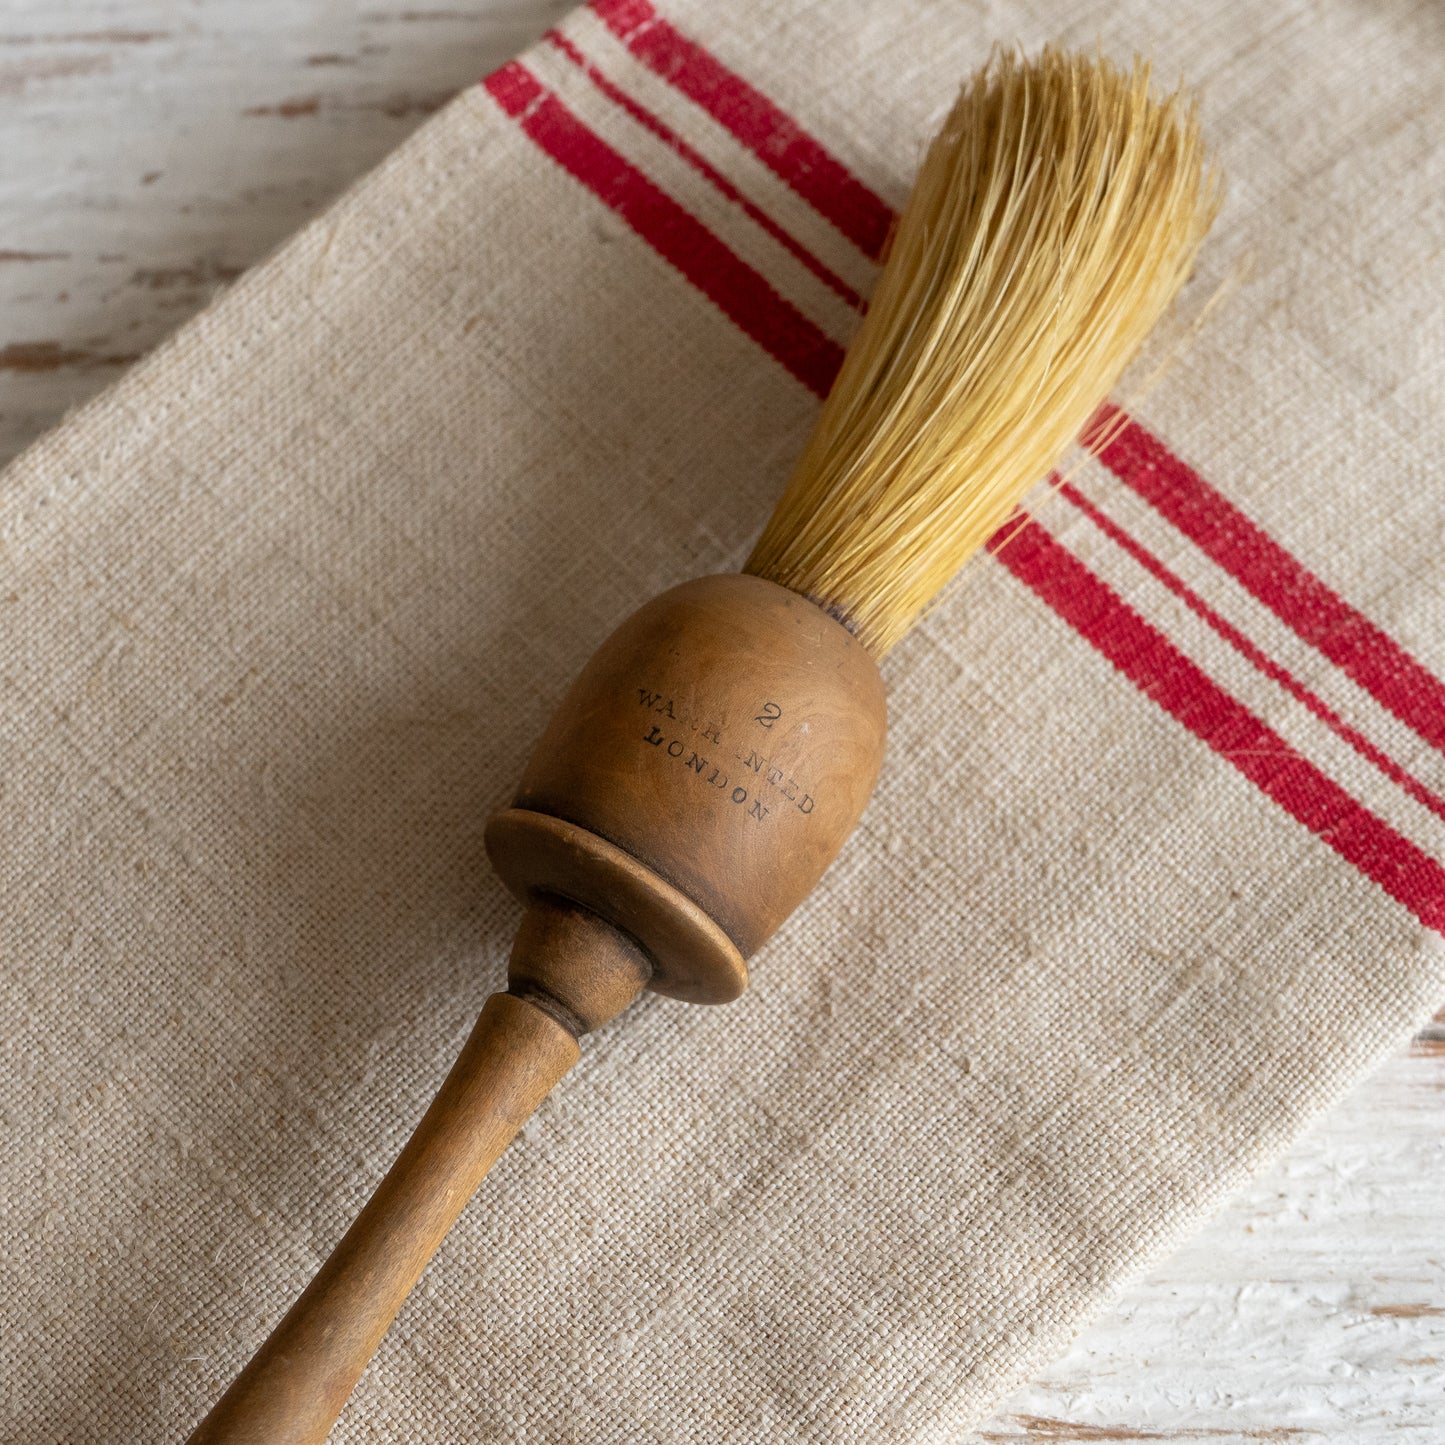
x: 1155, y: 870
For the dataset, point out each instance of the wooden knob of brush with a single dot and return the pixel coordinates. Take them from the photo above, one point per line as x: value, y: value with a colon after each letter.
x: 699, y: 777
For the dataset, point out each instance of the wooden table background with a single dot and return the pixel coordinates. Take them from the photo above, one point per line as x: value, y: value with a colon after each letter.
x: 150, y: 150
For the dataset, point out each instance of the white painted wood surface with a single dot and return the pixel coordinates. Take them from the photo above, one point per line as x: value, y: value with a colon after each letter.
x: 152, y: 149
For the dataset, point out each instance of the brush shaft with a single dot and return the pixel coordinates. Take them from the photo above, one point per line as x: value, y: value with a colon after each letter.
x: 296, y: 1384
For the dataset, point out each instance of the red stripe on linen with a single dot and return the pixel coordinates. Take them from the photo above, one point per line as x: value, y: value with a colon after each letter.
x: 1265, y: 664
x: 763, y: 127
x: 678, y: 237
x: 1154, y: 665
x: 1366, y: 653
x: 1282, y: 583
x: 700, y: 163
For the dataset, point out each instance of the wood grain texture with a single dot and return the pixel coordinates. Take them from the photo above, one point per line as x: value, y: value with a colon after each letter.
x: 716, y: 648
x: 152, y: 151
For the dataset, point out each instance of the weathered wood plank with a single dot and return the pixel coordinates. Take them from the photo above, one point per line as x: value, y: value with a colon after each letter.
x: 151, y: 152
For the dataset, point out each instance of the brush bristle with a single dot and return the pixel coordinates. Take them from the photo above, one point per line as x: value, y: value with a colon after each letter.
x: 1053, y: 221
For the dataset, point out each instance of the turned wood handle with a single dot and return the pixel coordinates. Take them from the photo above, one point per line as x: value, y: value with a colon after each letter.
x: 698, y: 778
x: 297, y: 1382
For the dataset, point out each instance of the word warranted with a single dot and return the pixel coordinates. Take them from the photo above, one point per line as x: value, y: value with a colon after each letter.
x: 664, y: 706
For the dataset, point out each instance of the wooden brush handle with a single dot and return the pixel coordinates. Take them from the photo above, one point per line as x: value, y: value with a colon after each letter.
x: 296, y: 1384
x: 703, y: 771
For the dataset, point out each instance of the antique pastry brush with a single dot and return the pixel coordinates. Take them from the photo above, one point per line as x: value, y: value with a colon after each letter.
x: 720, y: 746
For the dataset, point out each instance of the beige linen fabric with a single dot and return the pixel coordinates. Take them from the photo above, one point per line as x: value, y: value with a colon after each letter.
x: 284, y: 610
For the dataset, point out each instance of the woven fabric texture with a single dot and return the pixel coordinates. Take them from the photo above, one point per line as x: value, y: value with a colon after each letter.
x: 1155, y: 870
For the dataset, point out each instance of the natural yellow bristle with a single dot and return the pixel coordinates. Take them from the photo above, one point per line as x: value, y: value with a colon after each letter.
x: 1052, y: 223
